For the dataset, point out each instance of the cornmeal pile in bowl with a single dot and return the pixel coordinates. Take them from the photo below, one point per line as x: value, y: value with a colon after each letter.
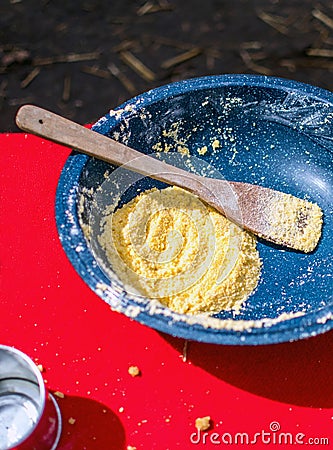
x: 169, y: 245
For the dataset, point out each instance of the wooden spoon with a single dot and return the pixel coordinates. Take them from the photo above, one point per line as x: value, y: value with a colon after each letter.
x: 275, y: 216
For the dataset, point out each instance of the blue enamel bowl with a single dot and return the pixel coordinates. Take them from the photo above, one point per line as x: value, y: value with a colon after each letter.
x: 272, y: 132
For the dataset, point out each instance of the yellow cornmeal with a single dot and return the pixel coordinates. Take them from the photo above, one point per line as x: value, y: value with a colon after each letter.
x: 295, y: 222
x: 168, y: 245
x: 202, y: 150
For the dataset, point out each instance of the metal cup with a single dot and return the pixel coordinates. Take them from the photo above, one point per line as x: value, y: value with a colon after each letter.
x: 29, y: 416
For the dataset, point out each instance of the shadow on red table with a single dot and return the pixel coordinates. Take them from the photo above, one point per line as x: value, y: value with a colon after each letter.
x: 88, y: 424
x: 299, y: 373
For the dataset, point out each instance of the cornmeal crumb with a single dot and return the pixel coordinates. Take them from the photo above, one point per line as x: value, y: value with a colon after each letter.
x: 183, y: 150
x: 40, y: 368
x: 59, y: 394
x: 202, y: 150
x: 130, y: 447
x: 134, y: 371
x: 202, y: 423
x: 71, y: 420
x: 215, y: 144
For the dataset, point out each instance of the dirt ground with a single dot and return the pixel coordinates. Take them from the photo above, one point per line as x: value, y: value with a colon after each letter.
x: 81, y: 58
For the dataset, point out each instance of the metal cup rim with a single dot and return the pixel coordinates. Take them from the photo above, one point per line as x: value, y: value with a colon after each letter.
x: 41, y: 386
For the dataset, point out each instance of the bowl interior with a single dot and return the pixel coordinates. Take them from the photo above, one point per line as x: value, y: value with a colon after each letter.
x: 275, y: 134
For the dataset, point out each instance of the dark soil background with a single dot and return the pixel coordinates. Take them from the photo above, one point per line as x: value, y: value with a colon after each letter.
x: 82, y: 58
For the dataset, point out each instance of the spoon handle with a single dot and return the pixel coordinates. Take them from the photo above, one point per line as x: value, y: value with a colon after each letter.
x: 51, y: 126
x: 273, y: 215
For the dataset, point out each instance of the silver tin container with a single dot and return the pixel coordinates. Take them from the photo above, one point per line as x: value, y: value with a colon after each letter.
x: 29, y: 416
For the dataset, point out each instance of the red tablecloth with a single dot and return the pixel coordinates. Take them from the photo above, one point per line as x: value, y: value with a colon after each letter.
x: 86, y: 349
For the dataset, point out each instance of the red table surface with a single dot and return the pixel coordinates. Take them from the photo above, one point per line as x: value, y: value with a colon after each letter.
x: 48, y: 312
